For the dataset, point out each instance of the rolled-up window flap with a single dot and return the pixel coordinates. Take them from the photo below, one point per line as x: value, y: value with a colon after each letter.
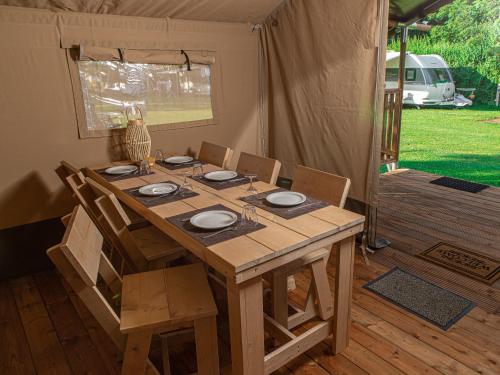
x: 170, y: 57
x: 89, y: 53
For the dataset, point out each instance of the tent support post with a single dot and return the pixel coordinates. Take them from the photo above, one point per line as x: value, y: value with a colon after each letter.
x: 401, y: 84
x: 370, y: 241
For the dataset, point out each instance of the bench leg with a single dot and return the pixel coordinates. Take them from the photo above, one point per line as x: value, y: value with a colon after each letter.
x: 136, y: 353
x: 207, y: 353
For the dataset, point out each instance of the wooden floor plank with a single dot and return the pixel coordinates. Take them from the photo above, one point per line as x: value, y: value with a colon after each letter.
x: 48, y: 355
x: 415, y: 215
x: 392, y: 353
x: 99, y: 337
x: 81, y: 352
x: 15, y: 356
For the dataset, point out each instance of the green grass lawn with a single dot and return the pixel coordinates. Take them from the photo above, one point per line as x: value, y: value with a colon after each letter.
x: 452, y: 142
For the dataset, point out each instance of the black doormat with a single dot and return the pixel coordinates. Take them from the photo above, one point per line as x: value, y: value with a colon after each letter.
x: 428, y: 301
x: 457, y: 184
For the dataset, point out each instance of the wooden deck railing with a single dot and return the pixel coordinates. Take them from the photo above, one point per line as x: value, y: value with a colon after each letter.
x: 391, y: 126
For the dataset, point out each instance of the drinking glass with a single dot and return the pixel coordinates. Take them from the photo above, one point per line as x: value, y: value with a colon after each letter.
x: 159, y: 155
x: 249, y: 215
x: 144, y: 168
x: 251, y: 188
x: 185, y: 186
x: 197, y: 170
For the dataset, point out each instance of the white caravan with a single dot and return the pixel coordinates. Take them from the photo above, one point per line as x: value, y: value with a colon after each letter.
x: 428, y: 81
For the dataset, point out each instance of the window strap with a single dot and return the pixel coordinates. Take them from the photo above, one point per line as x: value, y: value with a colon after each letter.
x: 188, y: 62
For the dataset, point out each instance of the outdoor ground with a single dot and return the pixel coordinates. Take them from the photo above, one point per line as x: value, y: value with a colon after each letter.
x: 459, y: 143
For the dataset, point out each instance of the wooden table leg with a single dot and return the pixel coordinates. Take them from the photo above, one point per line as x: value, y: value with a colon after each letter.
x: 136, y: 353
x: 344, y: 267
x: 246, y: 324
x: 280, y: 297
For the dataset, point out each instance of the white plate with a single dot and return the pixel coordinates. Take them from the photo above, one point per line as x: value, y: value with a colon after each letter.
x: 179, y: 159
x: 121, y: 169
x: 220, y: 175
x: 216, y: 219
x: 286, y: 198
x: 157, y: 189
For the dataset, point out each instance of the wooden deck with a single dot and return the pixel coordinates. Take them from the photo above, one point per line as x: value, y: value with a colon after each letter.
x: 45, y: 330
x: 415, y: 215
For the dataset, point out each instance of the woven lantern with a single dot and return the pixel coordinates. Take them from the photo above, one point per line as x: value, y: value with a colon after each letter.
x: 137, y: 138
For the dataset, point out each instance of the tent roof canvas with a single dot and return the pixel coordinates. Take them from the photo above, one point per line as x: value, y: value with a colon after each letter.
x: 254, y: 11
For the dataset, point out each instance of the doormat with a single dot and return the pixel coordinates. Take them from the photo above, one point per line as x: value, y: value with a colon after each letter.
x: 428, y: 301
x: 457, y: 184
x: 466, y: 262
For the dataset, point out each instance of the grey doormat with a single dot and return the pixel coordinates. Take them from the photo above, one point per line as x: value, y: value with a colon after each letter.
x: 458, y: 184
x: 428, y: 301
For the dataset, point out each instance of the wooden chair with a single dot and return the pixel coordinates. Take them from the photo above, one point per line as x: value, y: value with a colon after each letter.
x: 143, y: 249
x: 144, y: 308
x: 214, y: 154
x: 65, y: 170
x: 330, y: 188
x: 266, y: 169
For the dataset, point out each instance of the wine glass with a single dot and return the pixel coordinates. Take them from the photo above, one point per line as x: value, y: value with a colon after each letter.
x: 251, y: 189
x: 185, y: 186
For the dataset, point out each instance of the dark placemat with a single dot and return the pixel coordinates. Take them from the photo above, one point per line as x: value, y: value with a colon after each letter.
x: 430, y: 302
x: 112, y: 178
x: 181, y: 221
x: 457, y: 184
x: 259, y: 200
x: 220, y: 185
x: 173, y: 167
x: 156, y: 201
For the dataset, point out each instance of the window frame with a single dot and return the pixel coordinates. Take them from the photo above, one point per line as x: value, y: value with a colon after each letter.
x: 84, y: 132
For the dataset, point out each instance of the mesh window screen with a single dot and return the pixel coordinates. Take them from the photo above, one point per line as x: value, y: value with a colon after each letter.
x: 167, y: 94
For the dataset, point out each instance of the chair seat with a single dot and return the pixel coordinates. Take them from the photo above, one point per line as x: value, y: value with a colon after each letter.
x: 154, y: 244
x: 157, y: 300
x: 136, y: 220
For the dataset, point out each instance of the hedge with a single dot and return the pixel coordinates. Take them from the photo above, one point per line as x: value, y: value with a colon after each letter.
x: 474, y: 65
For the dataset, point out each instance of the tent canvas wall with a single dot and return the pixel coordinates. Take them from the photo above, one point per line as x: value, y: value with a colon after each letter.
x: 310, y: 93
x: 39, y: 116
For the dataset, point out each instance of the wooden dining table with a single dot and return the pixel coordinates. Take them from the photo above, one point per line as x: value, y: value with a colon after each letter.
x: 245, y: 259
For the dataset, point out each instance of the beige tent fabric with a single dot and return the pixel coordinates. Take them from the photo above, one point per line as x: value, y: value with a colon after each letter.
x: 38, y: 112
x: 112, y: 31
x: 321, y: 61
x: 208, y: 10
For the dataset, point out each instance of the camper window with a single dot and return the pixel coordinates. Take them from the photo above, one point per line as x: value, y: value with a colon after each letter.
x: 410, y: 74
x: 169, y: 95
x: 437, y: 75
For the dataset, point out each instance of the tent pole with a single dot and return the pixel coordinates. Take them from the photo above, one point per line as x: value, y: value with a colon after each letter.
x: 370, y: 240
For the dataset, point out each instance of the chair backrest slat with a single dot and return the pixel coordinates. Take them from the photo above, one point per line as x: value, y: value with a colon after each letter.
x: 321, y: 185
x: 115, y: 222
x: 214, y: 154
x: 266, y: 169
x: 83, y: 193
x: 82, y: 245
x: 65, y: 170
